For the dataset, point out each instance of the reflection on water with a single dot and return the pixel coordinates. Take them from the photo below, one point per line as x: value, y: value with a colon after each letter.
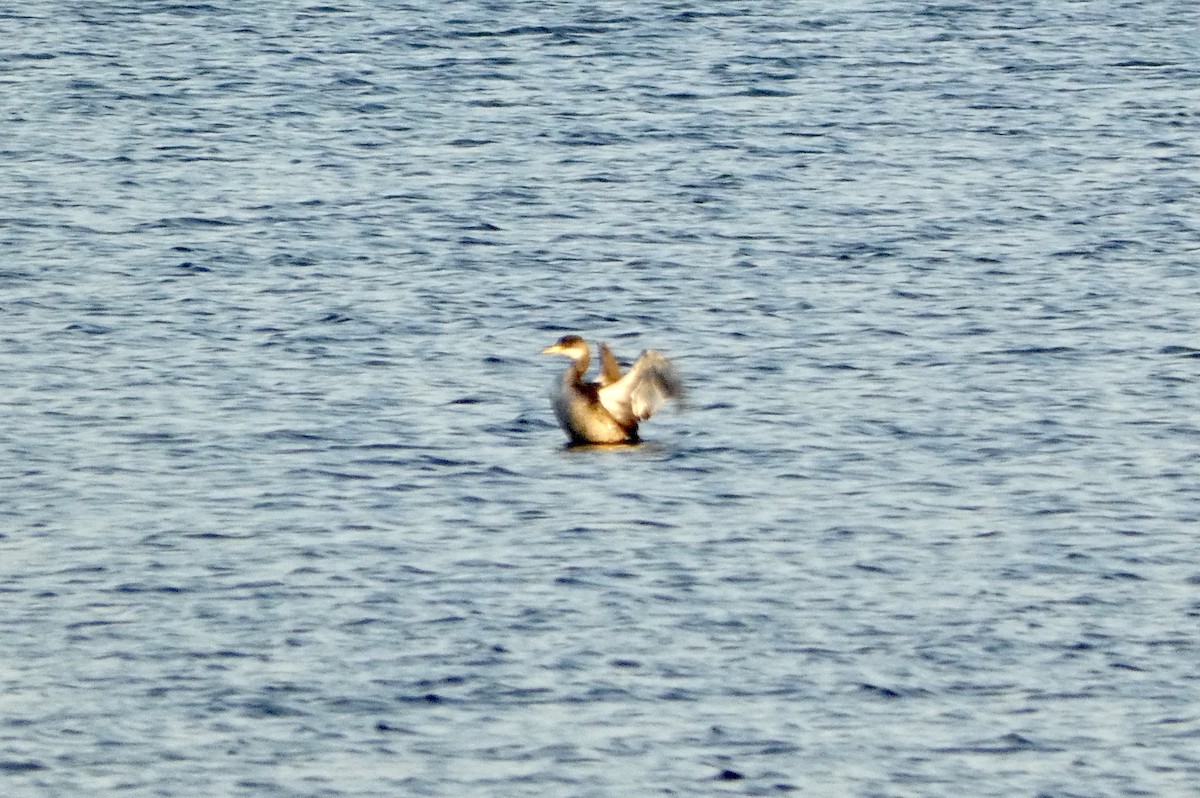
x: 287, y: 511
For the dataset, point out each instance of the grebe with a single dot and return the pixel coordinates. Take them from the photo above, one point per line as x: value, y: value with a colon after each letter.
x: 608, y: 410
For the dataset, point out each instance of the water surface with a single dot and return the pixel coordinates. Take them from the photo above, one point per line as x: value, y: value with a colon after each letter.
x: 286, y: 512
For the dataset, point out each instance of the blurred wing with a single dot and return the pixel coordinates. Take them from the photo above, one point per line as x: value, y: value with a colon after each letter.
x: 650, y: 382
x: 610, y: 372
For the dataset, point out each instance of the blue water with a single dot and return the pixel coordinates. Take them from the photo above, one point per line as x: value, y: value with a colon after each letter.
x: 285, y: 511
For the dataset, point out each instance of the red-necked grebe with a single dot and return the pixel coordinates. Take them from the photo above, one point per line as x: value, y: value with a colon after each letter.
x: 608, y: 410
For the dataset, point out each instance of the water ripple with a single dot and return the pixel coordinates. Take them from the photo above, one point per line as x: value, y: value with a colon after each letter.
x: 286, y: 507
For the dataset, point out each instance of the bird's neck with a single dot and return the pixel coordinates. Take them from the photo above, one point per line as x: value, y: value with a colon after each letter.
x: 578, y: 367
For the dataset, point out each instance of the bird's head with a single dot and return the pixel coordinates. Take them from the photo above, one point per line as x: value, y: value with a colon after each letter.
x: 571, y: 346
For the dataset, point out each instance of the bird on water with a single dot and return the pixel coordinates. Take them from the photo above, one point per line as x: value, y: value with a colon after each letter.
x: 609, y: 409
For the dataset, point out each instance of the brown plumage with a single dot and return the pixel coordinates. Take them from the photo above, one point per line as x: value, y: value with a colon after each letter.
x: 609, y: 409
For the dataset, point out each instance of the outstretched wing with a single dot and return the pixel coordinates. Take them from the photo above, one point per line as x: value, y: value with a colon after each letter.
x: 650, y: 382
x: 610, y: 371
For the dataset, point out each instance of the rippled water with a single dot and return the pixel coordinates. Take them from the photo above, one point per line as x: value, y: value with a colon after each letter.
x: 285, y: 509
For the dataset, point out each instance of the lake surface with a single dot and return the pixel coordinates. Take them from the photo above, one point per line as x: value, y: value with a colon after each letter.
x: 285, y: 510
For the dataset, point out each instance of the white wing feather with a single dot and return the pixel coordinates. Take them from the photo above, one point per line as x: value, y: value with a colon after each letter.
x: 650, y: 382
